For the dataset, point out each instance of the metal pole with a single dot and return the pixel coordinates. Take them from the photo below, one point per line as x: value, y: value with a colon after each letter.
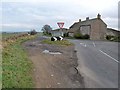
x: 61, y: 32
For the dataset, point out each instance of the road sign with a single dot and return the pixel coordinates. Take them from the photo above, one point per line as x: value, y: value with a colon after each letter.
x: 60, y: 24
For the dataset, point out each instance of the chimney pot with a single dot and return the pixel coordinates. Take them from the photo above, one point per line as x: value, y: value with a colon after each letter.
x: 87, y: 18
x: 79, y: 20
x: 99, y: 16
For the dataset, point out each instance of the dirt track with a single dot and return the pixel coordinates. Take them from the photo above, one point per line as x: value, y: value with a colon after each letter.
x: 53, y: 71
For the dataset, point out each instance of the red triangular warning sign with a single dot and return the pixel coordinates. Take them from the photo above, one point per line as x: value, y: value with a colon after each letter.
x: 60, y: 24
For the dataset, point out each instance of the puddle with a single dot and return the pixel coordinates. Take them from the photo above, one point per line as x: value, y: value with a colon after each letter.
x: 45, y: 51
x: 55, y: 53
x: 39, y: 44
x: 32, y: 45
x: 48, y: 52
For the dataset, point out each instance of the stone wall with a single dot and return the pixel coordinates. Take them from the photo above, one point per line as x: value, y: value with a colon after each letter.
x: 98, y: 29
x: 95, y: 30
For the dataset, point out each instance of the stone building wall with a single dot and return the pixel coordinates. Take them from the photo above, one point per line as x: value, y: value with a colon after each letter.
x: 103, y: 28
x: 95, y: 33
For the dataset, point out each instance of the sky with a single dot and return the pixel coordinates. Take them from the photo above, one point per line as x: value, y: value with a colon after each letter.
x: 24, y: 15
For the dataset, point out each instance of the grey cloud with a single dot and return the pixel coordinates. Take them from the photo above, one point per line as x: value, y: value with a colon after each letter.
x: 50, y: 13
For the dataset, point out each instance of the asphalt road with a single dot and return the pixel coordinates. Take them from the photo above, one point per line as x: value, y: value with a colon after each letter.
x: 98, y: 63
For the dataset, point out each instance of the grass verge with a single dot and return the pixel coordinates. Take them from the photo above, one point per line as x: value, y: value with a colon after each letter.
x: 62, y: 43
x: 17, y: 69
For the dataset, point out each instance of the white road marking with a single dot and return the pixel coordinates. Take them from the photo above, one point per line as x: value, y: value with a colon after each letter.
x: 83, y: 44
x: 94, y: 44
x: 109, y: 56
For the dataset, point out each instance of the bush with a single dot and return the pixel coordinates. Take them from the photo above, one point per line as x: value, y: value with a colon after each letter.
x: 117, y: 39
x: 109, y: 37
x: 80, y: 36
x: 33, y: 32
x: 86, y: 36
x: 47, y: 34
x: 66, y: 35
x: 113, y: 38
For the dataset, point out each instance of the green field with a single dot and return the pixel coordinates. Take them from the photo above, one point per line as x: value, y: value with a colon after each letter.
x: 17, y: 68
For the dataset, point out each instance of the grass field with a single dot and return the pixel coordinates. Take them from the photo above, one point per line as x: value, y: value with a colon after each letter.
x: 17, y: 69
x: 7, y: 35
x: 62, y: 43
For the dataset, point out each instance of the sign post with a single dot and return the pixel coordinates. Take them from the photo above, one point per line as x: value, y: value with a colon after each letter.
x: 61, y: 24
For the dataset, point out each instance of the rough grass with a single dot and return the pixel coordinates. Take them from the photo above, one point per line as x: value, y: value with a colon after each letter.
x: 17, y: 69
x: 62, y: 43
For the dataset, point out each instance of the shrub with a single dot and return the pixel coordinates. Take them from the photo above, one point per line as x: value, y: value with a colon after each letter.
x: 80, y: 36
x: 66, y: 35
x: 33, y: 32
x: 117, y: 38
x: 47, y: 34
x: 110, y: 37
x: 86, y: 36
x: 113, y: 38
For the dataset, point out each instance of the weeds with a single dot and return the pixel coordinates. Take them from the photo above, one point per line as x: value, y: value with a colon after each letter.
x: 62, y: 43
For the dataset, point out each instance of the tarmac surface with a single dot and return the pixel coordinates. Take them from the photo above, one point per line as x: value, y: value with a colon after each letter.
x: 98, y: 63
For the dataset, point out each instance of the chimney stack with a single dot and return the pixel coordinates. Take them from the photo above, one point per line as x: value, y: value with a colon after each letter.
x: 79, y: 20
x: 99, y: 16
x: 87, y: 18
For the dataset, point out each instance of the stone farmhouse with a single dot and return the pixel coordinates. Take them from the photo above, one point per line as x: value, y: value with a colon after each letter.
x: 95, y: 28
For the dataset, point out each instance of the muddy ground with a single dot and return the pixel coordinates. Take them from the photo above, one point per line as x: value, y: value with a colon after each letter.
x: 53, y: 70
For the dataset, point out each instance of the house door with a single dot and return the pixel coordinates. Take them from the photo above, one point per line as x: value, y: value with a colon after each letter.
x: 85, y: 29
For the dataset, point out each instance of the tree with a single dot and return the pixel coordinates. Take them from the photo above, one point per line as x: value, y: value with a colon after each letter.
x: 32, y: 32
x: 46, y: 29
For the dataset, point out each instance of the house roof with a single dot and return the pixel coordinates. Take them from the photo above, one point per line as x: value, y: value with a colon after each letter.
x: 76, y: 23
x: 82, y: 22
x: 71, y: 30
x: 111, y: 29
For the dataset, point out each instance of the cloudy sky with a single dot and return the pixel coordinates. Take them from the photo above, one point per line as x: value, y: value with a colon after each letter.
x: 24, y: 15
